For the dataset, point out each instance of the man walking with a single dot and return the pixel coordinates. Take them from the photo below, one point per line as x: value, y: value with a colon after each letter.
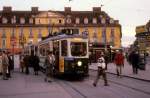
x: 134, y: 59
x: 101, y: 70
x: 119, y: 61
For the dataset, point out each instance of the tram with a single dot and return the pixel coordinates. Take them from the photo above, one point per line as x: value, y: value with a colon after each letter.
x: 70, y: 51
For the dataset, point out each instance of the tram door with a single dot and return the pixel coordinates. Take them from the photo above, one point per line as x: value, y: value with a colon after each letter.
x: 56, y: 53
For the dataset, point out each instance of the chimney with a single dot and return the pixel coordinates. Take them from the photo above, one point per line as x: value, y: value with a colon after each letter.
x: 67, y: 9
x: 34, y: 9
x: 7, y: 9
x: 96, y: 9
x: 116, y: 21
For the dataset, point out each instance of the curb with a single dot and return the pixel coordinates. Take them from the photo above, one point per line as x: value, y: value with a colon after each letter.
x: 126, y: 76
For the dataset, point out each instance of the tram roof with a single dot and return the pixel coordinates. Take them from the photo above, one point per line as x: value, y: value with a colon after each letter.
x: 63, y: 36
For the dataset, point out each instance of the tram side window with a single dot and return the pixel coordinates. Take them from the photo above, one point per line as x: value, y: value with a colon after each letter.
x: 40, y: 52
x: 64, y: 48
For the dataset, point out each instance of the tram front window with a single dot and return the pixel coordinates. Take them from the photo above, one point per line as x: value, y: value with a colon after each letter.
x: 78, y: 48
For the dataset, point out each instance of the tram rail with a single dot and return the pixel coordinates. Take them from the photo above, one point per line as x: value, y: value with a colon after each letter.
x: 127, y: 86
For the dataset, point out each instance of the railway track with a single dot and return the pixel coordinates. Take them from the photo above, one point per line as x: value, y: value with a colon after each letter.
x: 125, y: 85
x: 73, y: 91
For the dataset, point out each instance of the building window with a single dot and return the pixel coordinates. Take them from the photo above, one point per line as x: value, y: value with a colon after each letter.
x: 64, y: 48
x: 103, y: 21
x: 94, y: 21
x: 85, y: 20
x: 13, y: 33
x: 49, y: 21
x: 104, y: 35
x: 68, y: 20
x: 3, y: 33
x: 39, y: 21
x: 95, y: 35
x: 112, y: 37
x: 13, y: 20
x: 30, y: 33
x: 31, y: 20
x: 77, y: 20
x: 22, y: 20
x: 3, y: 43
x: 111, y: 21
x: 21, y: 32
x: 4, y: 20
x: 60, y: 21
x: 39, y: 34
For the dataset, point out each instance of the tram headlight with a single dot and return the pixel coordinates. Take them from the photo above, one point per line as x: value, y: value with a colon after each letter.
x: 79, y: 63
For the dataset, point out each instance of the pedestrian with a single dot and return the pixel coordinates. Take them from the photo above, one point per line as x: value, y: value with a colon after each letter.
x: 134, y: 60
x: 49, y: 65
x: 5, y: 64
x: 26, y: 63
x: 119, y: 61
x: 22, y: 65
x: 10, y: 67
x: 1, y: 63
x: 101, y: 70
x: 34, y: 61
x: 106, y: 57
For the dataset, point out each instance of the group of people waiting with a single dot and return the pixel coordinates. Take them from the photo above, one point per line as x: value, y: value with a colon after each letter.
x: 33, y: 61
x: 26, y: 61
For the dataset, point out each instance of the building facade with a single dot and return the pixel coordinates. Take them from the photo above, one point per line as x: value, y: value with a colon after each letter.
x: 18, y: 28
x: 143, y: 37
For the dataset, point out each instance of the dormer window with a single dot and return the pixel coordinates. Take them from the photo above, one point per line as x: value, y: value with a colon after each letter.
x: 31, y: 20
x: 85, y: 20
x: 77, y: 20
x: 103, y: 21
x: 68, y: 20
x: 49, y: 21
x: 39, y: 21
x: 22, y: 20
x: 94, y: 21
x: 4, y: 20
x: 111, y: 21
x: 13, y: 20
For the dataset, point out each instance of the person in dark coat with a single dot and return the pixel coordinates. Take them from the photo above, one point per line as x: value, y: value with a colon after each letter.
x: 10, y: 67
x: 134, y: 59
x: 26, y: 63
x: 34, y: 61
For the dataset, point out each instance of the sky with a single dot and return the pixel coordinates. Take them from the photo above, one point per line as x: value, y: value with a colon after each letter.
x: 130, y: 13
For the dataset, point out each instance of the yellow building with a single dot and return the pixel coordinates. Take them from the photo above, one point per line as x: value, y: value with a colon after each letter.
x: 143, y: 37
x: 18, y: 28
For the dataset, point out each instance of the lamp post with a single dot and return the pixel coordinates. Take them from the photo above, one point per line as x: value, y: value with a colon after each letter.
x: 110, y: 53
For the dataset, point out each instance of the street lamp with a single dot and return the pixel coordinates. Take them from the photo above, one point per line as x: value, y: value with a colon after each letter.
x: 110, y: 53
